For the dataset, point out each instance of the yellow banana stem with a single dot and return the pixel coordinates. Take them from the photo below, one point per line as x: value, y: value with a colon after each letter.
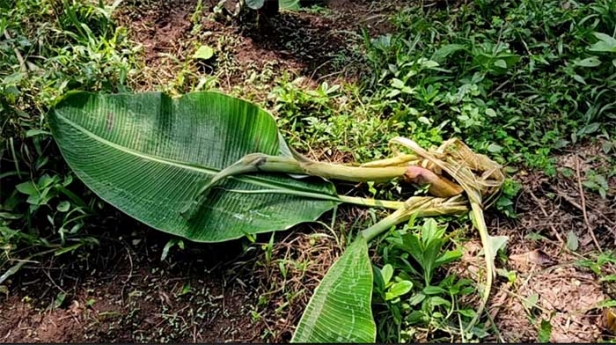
x: 397, y: 160
x: 422, y: 207
x: 480, y: 225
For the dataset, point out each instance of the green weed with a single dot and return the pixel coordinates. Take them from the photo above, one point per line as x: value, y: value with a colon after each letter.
x: 407, y: 295
x: 520, y: 80
x: 49, y: 48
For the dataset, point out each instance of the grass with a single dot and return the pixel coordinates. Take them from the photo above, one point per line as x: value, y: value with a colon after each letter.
x: 518, y: 80
x: 48, y: 49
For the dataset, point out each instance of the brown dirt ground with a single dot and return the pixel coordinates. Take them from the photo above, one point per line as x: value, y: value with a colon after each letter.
x: 122, y: 292
x: 546, y: 270
x: 299, y: 44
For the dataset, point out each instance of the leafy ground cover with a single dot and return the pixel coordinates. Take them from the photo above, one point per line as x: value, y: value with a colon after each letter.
x: 530, y: 83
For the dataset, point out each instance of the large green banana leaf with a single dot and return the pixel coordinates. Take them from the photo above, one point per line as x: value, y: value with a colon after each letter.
x: 340, y: 310
x: 148, y: 154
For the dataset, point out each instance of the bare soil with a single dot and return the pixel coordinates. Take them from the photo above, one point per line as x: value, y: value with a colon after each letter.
x: 315, y: 45
x: 122, y: 292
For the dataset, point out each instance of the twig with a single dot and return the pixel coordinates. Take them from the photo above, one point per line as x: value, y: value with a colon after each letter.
x: 545, y: 213
x: 579, y: 207
x: 22, y: 62
x: 495, y: 328
x: 130, y: 274
x: 53, y: 282
x: 499, y: 87
x: 579, y: 180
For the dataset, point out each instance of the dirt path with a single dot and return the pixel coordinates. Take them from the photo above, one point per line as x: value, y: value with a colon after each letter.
x: 314, y: 45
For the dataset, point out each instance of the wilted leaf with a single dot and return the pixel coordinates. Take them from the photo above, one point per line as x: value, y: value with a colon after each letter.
x: 537, y: 256
x: 497, y: 243
x: 531, y: 301
x: 609, y: 320
x: 534, y: 236
x: 572, y: 241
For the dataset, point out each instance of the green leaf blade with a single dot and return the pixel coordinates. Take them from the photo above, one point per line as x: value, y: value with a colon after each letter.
x: 204, y: 52
x: 340, y: 309
x: 289, y: 5
x: 148, y: 155
x: 398, y: 289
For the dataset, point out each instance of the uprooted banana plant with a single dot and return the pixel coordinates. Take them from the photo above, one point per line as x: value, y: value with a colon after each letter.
x: 211, y: 168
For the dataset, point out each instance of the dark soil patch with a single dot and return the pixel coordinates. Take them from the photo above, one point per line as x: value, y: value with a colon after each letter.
x: 122, y: 292
x: 321, y: 45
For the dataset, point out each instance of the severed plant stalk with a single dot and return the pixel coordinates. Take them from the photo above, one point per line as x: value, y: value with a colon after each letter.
x: 420, y: 207
x: 257, y: 162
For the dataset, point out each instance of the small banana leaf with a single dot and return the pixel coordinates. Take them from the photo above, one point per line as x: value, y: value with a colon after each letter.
x: 340, y: 309
x: 147, y: 154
